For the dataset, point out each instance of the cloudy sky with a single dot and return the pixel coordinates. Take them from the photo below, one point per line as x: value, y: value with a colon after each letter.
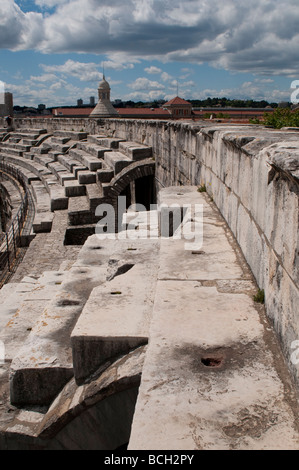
x: 53, y: 51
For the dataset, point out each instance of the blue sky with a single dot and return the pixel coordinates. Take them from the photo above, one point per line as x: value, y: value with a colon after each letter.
x: 53, y: 51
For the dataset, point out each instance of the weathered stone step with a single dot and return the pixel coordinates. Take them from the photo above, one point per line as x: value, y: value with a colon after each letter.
x: 43, y: 159
x: 43, y: 222
x: 11, y: 151
x: 40, y: 195
x: 33, y: 167
x: 56, y: 168
x: 105, y: 141
x: 39, y: 150
x: 26, y: 135
x: 95, y: 196
x: 18, y: 146
x: 65, y: 176
x: 117, y: 161
x: 116, y: 317
x: 14, y: 140
x: 85, y: 176
x: 91, y: 162
x: 73, y: 188
x: 105, y: 175
x: 59, y: 201
x: 22, y: 305
x: 54, y: 146
x: 135, y: 151
x: 42, y: 366
x: 31, y: 142
x: 43, y: 219
x: 60, y: 140
x: 29, y: 131
x: 79, y: 212
x: 77, y: 136
x: 92, y: 148
x: 72, y: 165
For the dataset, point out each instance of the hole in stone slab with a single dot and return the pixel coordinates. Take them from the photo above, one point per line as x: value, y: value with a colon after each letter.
x: 198, y: 252
x: 112, y: 261
x: 116, y: 293
x: 96, y: 248
x: 132, y: 249
x: 121, y: 270
x: 67, y: 303
x: 212, y: 361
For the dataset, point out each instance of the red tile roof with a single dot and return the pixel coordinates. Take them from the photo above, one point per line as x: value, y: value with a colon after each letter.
x: 142, y: 111
x: 177, y: 100
x: 72, y: 111
x: 125, y: 112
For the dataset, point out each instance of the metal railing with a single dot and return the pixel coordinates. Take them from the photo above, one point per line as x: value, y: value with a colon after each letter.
x: 11, y: 240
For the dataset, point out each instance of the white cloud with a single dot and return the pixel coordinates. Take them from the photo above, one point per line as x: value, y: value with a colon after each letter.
x: 19, y: 30
x: 50, y: 3
x: 152, y: 70
x: 166, y: 77
x: 151, y: 95
x: 83, y: 71
x: 47, y: 77
x: 144, y: 84
x: 257, y: 36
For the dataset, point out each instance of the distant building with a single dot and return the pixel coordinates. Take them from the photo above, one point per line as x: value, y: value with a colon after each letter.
x: 179, y: 108
x: 79, y: 102
x: 104, y: 107
x: 92, y: 101
x: 6, y: 104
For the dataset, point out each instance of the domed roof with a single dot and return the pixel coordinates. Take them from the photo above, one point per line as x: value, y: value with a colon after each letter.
x: 104, y: 85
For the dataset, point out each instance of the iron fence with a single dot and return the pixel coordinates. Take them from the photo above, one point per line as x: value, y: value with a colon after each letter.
x: 11, y: 240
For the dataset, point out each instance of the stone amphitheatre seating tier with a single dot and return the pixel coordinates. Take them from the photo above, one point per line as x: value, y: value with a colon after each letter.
x: 73, y: 135
x: 105, y: 141
x: 40, y: 360
x: 91, y: 162
x: 117, y: 161
x: 209, y: 378
x: 66, y: 163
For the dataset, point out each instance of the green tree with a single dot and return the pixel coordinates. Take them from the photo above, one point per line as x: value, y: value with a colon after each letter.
x: 282, y: 117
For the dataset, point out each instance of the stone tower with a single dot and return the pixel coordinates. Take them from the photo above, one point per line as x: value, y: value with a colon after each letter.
x: 104, y: 107
x: 6, y: 104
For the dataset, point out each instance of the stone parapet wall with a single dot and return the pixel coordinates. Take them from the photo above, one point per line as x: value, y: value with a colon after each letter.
x: 252, y: 175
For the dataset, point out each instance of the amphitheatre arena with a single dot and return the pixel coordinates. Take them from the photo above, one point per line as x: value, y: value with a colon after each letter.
x: 178, y: 328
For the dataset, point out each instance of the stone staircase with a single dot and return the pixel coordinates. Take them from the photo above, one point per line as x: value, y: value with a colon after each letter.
x: 212, y: 375
x: 68, y: 170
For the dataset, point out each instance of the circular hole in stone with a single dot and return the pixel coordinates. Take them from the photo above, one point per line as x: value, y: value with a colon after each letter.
x: 212, y: 361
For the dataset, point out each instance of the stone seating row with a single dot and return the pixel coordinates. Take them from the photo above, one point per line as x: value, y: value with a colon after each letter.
x: 41, y: 367
x: 212, y: 364
x: 75, y: 169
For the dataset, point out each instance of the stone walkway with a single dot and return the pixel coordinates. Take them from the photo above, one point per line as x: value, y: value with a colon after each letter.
x: 214, y: 377
x: 47, y: 251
